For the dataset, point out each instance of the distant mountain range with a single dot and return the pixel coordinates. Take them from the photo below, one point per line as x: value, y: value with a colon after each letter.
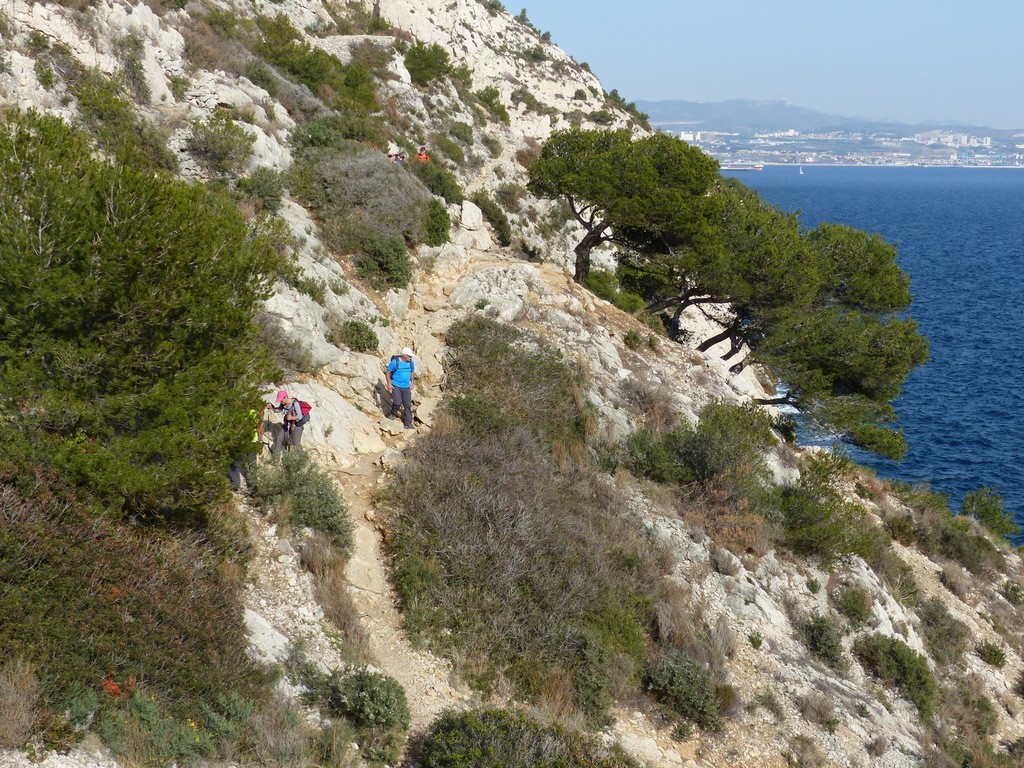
x: 747, y: 116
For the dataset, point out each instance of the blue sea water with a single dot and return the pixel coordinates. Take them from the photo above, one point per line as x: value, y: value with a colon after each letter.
x: 960, y: 237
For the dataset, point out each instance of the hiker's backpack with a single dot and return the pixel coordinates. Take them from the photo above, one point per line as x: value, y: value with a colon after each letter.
x: 306, y: 408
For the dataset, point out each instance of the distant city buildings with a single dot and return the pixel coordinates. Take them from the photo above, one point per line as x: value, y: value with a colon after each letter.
x: 848, y: 147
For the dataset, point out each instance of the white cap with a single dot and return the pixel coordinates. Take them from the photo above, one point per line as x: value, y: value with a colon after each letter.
x: 406, y: 351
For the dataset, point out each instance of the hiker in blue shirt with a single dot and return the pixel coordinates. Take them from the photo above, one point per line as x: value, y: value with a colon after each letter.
x: 401, y: 377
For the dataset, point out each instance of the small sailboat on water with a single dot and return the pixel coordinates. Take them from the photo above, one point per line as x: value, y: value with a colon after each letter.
x: 801, y: 170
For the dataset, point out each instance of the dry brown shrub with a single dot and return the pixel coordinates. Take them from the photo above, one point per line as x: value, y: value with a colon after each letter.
x: 19, y: 693
x: 205, y: 49
x: 280, y: 737
x: 331, y: 590
x: 736, y: 529
x: 318, y: 556
x: 817, y: 708
x: 955, y: 579
x: 557, y: 694
x: 805, y: 753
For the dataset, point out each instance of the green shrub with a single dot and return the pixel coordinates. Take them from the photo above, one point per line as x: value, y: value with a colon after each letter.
x: 823, y: 638
x: 510, y: 196
x: 500, y: 738
x: 991, y: 654
x: 106, y: 353
x: 439, y: 224
x: 491, y: 98
x: 299, y: 486
x: 265, y: 188
x: 129, y: 50
x: 987, y: 507
x: 361, y: 199
x: 855, y: 604
x: 385, y: 262
x: 817, y: 520
x: 497, y: 218
x: 894, y: 662
x: 375, y: 703
x: 427, y: 63
x: 356, y: 335
x: 438, y: 180
x: 633, y: 339
x: 220, y: 145
x: 463, y: 132
x: 945, y: 637
x: 492, y: 144
x: 953, y: 537
x: 346, y: 87
x: 449, y: 148
x: 116, y: 126
x: 1013, y: 592
x: 339, y: 131
x: 685, y: 687
x: 534, y: 389
x: 728, y: 441
x: 602, y: 117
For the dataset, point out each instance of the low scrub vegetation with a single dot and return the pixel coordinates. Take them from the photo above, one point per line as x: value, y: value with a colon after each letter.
x: 895, y: 663
x: 945, y: 637
x: 507, y: 553
x: 501, y: 738
x: 686, y: 688
x: 302, y: 495
x: 164, y: 618
x: 359, y: 196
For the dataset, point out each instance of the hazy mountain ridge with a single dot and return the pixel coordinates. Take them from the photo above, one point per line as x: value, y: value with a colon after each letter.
x: 749, y: 116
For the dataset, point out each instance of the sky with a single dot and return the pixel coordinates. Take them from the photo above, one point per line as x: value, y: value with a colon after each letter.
x: 903, y: 60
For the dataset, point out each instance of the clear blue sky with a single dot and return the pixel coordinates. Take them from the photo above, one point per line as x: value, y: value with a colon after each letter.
x: 906, y: 60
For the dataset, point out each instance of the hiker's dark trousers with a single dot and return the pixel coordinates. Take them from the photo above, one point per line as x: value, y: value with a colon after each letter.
x: 291, y: 436
x: 401, y: 397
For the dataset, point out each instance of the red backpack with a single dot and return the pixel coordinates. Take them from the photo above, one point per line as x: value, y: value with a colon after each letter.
x: 305, y: 408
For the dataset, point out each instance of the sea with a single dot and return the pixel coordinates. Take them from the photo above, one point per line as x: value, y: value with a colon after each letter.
x: 959, y: 233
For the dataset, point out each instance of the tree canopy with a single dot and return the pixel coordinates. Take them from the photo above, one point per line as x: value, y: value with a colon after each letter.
x: 637, y: 193
x: 821, y: 308
x: 128, y: 355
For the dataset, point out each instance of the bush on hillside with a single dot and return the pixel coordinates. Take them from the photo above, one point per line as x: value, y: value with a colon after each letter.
x: 346, y: 88
x: 385, y: 262
x: 373, y: 702
x: 501, y: 738
x: 103, y: 362
x: 945, y: 637
x: 354, y: 334
x: 504, y: 560
x: 533, y: 388
x: 817, y: 521
x: 491, y: 99
x: 497, y: 217
x: 894, y: 662
x: 265, y: 188
x: 824, y: 639
x: 62, y: 565
x: 427, y: 63
x: 438, y: 179
x: 439, y: 224
x: 359, y: 196
x: 220, y: 145
x: 987, y: 507
x: 685, y: 687
x: 302, y: 494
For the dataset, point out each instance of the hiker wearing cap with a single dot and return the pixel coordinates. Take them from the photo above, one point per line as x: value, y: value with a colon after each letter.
x: 292, y: 423
x: 401, y: 377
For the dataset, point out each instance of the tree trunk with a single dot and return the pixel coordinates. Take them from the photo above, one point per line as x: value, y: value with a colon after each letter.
x: 582, y: 251
x: 709, y: 343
